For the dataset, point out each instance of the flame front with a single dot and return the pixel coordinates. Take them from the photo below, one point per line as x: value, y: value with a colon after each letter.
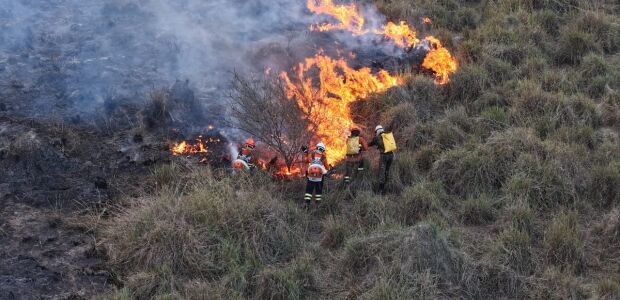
x: 440, y: 61
x: 347, y: 15
x: 186, y: 148
x: 327, y: 102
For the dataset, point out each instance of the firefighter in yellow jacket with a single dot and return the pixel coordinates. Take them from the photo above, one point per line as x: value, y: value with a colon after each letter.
x: 315, y: 173
x: 356, y: 144
x: 386, y: 144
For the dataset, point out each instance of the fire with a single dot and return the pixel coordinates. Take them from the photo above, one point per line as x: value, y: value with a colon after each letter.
x: 186, y: 148
x: 403, y: 35
x: 327, y: 101
x: 347, y: 15
x: 439, y: 60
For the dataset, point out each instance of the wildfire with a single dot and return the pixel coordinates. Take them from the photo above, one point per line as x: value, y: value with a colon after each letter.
x: 401, y: 34
x: 347, y: 15
x: 439, y: 60
x: 327, y: 102
x: 187, y: 148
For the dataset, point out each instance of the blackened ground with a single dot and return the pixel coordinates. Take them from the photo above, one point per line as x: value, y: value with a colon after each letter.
x: 51, y: 174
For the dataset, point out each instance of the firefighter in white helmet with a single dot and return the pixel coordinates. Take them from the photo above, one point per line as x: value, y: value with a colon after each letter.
x: 386, y: 144
x: 317, y: 169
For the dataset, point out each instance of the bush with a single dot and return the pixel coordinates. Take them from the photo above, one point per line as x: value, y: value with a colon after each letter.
x: 420, y: 200
x: 335, y: 232
x: 294, y: 282
x: 425, y: 157
x: 213, y: 230
x: 573, y: 45
x: 477, y: 211
x: 467, y: 84
x: 563, y: 245
x: 399, y: 117
x: 495, y: 114
x: 608, y: 289
x: 605, y: 187
x: 514, y: 249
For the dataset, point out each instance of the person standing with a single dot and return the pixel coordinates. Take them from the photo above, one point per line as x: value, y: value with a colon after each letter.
x: 386, y: 144
x: 356, y: 144
x: 315, y: 173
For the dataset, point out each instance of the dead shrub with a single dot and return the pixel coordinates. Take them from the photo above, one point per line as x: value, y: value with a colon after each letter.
x: 425, y: 157
x: 335, y: 232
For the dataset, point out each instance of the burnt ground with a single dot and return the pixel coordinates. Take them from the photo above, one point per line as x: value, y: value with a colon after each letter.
x: 51, y: 174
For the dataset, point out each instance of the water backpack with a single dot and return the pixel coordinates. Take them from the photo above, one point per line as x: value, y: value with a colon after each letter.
x: 353, y: 145
x: 316, y: 172
x: 389, y: 144
x: 240, y: 164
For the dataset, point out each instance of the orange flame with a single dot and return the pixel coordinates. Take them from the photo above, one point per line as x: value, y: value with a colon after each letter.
x: 186, y: 148
x: 439, y: 60
x: 347, y: 15
x: 326, y: 102
x: 403, y: 35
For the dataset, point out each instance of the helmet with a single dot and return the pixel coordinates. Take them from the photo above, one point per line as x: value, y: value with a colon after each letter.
x: 250, y: 143
x: 379, y: 129
x: 320, y: 147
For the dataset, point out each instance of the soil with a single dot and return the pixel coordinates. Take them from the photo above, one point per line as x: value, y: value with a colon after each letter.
x: 52, y: 174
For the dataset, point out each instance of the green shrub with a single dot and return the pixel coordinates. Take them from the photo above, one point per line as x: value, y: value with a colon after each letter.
x: 335, y: 232
x: 495, y: 114
x: 467, y: 84
x: 573, y: 45
x: 370, y: 211
x: 399, y: 117
x: 418, y: 201
x: 294, y: 282
x: 521, y: 217
x: 514, y: 249
x: 604, y: 29
x: 477, y: 211
x: 605, y: 187
x: 563, y: 245
x: 608, y: 289
x: 425, y: 157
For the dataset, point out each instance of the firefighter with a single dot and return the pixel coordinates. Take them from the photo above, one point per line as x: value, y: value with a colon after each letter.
x: 356, y: 144
x: 245, y: 158
x: 315, y: 173
x: 386, y: 144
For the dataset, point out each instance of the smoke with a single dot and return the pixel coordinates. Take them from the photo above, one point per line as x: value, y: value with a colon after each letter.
x: 65, y: 56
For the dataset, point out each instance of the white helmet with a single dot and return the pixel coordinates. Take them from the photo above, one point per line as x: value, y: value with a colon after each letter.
x: 320, y: 147
x: 379, y: 129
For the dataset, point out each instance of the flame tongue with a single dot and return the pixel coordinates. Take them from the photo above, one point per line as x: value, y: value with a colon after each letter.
x: 327, y: 103
x: 347, y: 15
x: 438, y: 59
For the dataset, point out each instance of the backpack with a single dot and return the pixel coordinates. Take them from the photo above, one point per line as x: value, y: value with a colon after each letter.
x: 389, y: 144
x: 240, y: 164
x: 316, y: 172
x: 353, y: 145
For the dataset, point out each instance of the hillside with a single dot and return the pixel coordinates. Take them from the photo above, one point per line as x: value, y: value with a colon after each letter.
x: 505, y: 185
